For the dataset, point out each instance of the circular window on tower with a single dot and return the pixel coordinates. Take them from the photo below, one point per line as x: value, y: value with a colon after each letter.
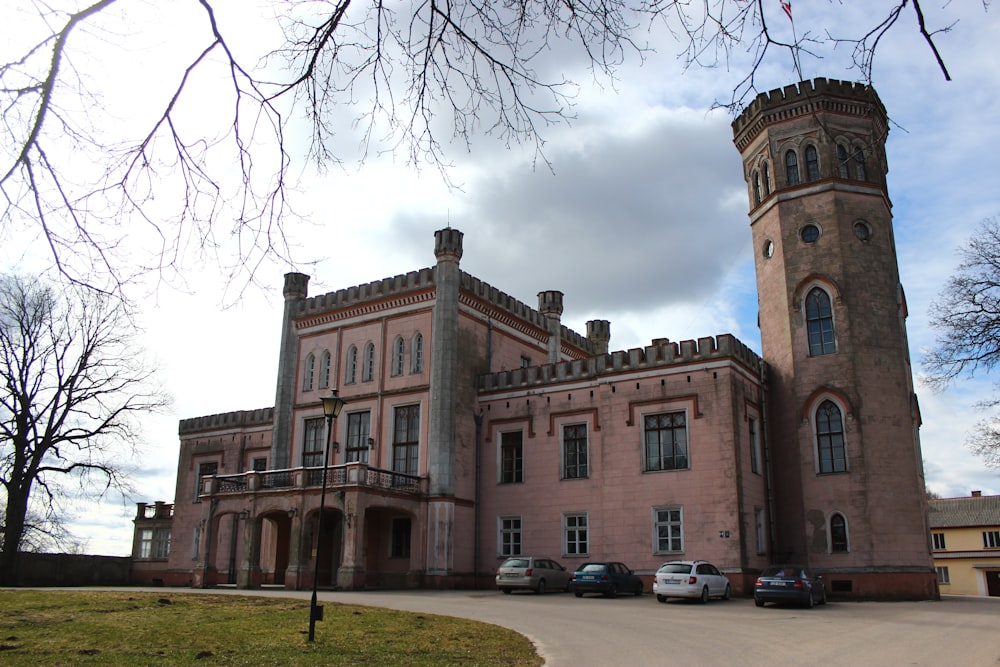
x: 863, y: 231
x: 809, y: 233
x: 768, y: 249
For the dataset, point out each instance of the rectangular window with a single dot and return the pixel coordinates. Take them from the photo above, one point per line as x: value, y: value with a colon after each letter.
x: 991, y: 539
x: 406, y: 439
x: 161, y: 543
x: 204, y: 470
x: 525, y: 362
x: 943, y: 576
x: 358, y: 431
x: 312, y: 443
x: 510, y: 536
x: 145, y: 543
x: 575, y: 451
x: 511, y: 458
x: 760, y: 530
x: 260, y: 464
x: 938, y: 539
x: 575, y: 535
x: 400, y: 543
x: 668, y: 526
x: 754, y: 446
x: 666, y: 441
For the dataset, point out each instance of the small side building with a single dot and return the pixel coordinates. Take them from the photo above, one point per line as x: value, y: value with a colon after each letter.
x: 965, y: 538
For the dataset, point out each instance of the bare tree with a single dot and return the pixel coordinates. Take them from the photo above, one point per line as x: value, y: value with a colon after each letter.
x: 72, y: 385
x: 415, y: 73
x: 967, y: 317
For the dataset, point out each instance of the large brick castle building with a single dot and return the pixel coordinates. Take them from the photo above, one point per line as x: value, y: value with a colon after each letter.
x: 477, y: 427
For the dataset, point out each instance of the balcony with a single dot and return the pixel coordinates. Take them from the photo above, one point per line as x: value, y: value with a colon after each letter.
x: 337, y: 477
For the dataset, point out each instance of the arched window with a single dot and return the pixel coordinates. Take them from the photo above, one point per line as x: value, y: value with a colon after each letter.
x: 368, y: 365
x: 859, y: 163
x: 839, y: 543
x: 308, y: 372
x: 417, y: 353
x: 830, y: 438
x: 767, y: 179
x: 792, y: 168
x: 843, y: 161
x: 812, y: 164
x: 352, y: 366
x: 819, y: 323
x: 324, y: 370
x: 756, y: 188
x: 398, y: 350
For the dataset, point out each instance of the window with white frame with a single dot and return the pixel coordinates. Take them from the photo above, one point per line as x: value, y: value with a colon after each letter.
x: 942, y: 574
x: 938, y: 540
x: 406, y: 439
x: 145, y: 550
x: 839, y: 543
x: 510, y: 536
x: 368, y: 364
x: 760, y: 530
x: 511, y: 458
x: 161, y: 543
x: 308, y: 372
x: 991, y: 539
x: 417, y: 353
x: 351, y: 376
x: 830, y: 445
x: 666, y: 441
x: 312, y: 442
x: 755, y: 465
x: 575, y: 451
x: 575, y: 539
x: 324, y: 370
x: 398, y: 355
x: 668, y: 528
x: 358, y: 430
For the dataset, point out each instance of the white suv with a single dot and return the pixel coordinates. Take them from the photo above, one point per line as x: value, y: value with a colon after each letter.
x: 696, y: 579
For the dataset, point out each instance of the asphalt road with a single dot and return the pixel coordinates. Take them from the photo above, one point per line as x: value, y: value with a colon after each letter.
x: 627, y: 631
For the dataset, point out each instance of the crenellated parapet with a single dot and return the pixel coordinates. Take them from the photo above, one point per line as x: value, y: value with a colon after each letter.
x: 806, y: 97
x: 236, y: 419
x: 396, y: 286
x: 660, y: 354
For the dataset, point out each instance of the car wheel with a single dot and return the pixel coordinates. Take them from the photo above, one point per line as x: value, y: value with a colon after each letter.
x: 822, y: 597
x: 729, y: 592
x: 638, y: 589
x: 809, y: 601
x: 612, y: 592
x: 661, y: 598
x: 704, y: 595
x: 506, y: 591
x: 541, y: 586
x: 578, y: 594
x: 759, y: 603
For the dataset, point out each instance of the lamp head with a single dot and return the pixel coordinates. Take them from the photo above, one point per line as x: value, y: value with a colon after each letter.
x: 332, y: 404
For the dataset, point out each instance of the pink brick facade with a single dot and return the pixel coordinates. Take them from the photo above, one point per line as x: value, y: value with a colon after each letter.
x: 476, y: 426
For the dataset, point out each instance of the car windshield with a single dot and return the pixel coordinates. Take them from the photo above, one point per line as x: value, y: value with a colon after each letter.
x: 515, y: 562
x: 785, y: 571
x: 675, y: 568
x: 594, y: 567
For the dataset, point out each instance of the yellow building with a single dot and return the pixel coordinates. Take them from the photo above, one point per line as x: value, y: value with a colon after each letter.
x: 965, y: 538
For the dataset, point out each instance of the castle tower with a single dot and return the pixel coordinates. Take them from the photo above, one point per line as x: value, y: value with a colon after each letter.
x: 550, y: 305
x: 295, y: 291
x: 843, y: 440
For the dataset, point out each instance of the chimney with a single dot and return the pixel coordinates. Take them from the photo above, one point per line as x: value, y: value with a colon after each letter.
x: 977, y: 494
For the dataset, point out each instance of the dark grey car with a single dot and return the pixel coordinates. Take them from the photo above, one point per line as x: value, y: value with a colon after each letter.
x: 789, y: 583
x: 531, y: 572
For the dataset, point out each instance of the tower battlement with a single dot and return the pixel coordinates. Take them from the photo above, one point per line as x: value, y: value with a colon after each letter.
x: 660, y: 354
x: 377, y: 289
x: 821, y: 94
x: 235, y: 419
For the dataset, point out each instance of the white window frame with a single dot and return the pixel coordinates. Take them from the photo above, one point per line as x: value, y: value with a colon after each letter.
x: 939, y: 541
x: 398, y: 356
x: 675, y: 527
x: 324, y: 370
x: 417, y: 353
x: 510, y: 535
x: 368, y: 363
x: 576, y: 541
x: 309, y: 372
x: 991, y: 539
x: 351, y: 375
x: 562, y: 449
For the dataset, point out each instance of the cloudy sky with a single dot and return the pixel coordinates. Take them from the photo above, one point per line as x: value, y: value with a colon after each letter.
x: 641, y: 219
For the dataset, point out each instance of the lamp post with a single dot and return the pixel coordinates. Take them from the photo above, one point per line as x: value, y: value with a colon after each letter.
x: 332, y: 405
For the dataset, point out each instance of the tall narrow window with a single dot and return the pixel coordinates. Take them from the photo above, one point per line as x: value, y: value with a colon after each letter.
x: 938, y: 539
x: 145, y: 544
x: 417, y: 353
x: 991, y: 539
x: 669, y: 529
x: 398, y: 350
x: 754, y: 446
x: 352, y: 366
x: 161, y: 543
x: 204, y: 470
x: 791, y: 168
x: 943, y: 577
x: 511, y: 458
x: 406, y: 439
x: 308, y: 372
x: 510, y: 536
x: 368, y: 365
x: 756, y: 188
x: 830, y: 438
x: 838, y: 534
x: 859, y: 163
x: 766, y: 175
x: 812, y: 163
x: 400, y: 538
x: 843, y: 161
x: 819, y: 323
x: 312, y: 443
x: 324, y: 370
x: 358, y: 430
x: 666, y: 441
x: 760, y: 530
x: 574, y: 451
x: 575, y: 535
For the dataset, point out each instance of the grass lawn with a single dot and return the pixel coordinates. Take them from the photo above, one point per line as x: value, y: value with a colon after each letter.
x: 123, y: 628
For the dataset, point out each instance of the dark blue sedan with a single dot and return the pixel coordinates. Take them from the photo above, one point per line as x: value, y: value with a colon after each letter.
x: 608, y: 579
x: 789, y: 583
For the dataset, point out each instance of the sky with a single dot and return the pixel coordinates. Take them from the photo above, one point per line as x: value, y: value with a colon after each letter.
x: 640, y: 218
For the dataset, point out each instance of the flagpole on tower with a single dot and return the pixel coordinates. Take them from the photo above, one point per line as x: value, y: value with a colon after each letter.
x: 786, y: 5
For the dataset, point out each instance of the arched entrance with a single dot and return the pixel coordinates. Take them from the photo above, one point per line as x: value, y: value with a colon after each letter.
x: 327, y: 547
x: 275, y: 545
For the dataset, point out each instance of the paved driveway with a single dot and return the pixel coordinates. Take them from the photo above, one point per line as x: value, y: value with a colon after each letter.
x: 627, y: 631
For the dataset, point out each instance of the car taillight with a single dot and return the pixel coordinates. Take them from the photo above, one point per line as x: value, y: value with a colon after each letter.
x: 527, y: 572
x: 798, y: 584
x: 604, y: 577
x: 759, y: 582
x: 692, y: 580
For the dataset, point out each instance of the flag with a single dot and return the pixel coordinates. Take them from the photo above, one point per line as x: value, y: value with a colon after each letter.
x: 787, y: 6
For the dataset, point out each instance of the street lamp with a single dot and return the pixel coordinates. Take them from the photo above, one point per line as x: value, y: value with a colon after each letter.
x: 332, y: 405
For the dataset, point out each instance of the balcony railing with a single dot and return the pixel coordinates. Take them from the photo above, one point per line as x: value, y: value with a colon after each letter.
x: 351, y: 474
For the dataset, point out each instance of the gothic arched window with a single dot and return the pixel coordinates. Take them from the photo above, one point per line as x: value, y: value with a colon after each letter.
x: 859, y: 163
x: 398, y: 351
x: 843, y: 161
x: 368, y: 364
x: 352, y: 366
x: 839, y: 543
x: 417, y: 353
x: 324, y: 370
x: 830, y: 445
x: 792, y: 168
x: 766, y: 175
x: 812, y: 164
x: 756, y: 188
x: 308, y: 372
x: 819, y: 323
